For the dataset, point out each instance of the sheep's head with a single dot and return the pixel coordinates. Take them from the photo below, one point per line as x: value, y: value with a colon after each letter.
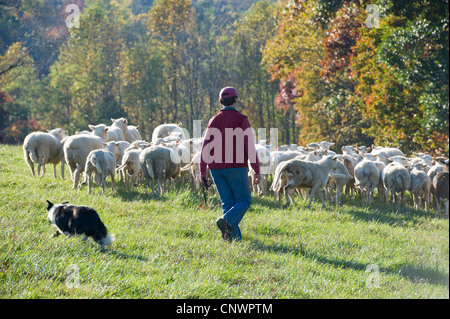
x: 399, y: 159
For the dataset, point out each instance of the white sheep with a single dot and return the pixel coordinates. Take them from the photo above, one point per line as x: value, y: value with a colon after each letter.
x: 390, y: 151
x: 420, y: 186
x: 133, y: 133
x: 367, y: 178
x: 118, y: 127
x: 338, y: 177
x: 400, y: 159
x: 102, y: 163
x: 264, y: 164
x: 313, y: 175
x: 100, y: 130
x: 432, y: 172
x: 131, y: 167
x: 157, y: 164
x: 76, y: 150
x: 194, y: 168
x: 326, y: 145
x: 165, y: 130
x: 380, y: 165
x: 42, y: 148
x: 396, y: 179
x: 441, y: 189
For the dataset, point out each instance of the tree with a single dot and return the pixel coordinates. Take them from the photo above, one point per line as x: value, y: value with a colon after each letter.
x: 170, y: 22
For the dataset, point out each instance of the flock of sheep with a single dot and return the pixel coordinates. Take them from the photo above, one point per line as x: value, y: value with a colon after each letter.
x: 119, y: 149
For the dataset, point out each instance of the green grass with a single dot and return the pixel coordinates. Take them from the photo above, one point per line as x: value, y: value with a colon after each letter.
x: 171, y: 248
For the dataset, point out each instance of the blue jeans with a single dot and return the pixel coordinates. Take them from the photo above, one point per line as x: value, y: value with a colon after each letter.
x: 235, y: 194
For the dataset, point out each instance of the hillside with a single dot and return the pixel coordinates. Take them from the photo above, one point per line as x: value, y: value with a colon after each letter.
x: 171, y: 248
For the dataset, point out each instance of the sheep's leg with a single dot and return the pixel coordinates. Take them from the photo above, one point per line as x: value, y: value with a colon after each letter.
x: 62, y: 168
x: 438, y: 206
x: 286, y: 194
x: 76, y: 179
x: 29, y: 162
x: 54, y: 170
x: 150, y: 183
x: 338, y: 195
x: 43, y: 168
x: 321, y: 198
x: 291, y: 196
x: 112, y: 181
x: 89, y: 181
x: 32, y: 168
x: 103, y: 183
x: 39, y: 165
x: 280, y: 198
x: 72, y: 168
x: 159, y: 187
x: 313, y: 191
x: 402, y: 198
x: 446, y: 209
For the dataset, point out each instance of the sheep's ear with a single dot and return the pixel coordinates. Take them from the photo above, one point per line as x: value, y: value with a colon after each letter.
x: 315, y: 153
x: 390, y: 158
x: 363, y: 155
x: 335, y: 158
x: 117, y: 144
x: 344, y: 157
x: 106, y: 129
x: 177, y: 142
x: 48, y: 131
x: 332, y: 144
x: 179, y: 124
x: 325, y: 152
x: 113, y: 120
x: 163, y: 144
x: 369, y: 148
x: 103, y: 144
x: 92, y: 127
x: 137, y: 126
x: 376, y: 155
x: 342, y: 148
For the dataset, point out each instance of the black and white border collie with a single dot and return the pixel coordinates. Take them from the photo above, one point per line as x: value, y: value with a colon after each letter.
x: 78, y: 220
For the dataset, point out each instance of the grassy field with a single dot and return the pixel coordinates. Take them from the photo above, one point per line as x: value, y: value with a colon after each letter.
x: 171, y: 248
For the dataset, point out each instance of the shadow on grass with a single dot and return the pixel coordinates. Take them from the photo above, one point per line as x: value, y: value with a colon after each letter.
x: 122, y: 255
x: 394, y: 215
x: 414, y: 273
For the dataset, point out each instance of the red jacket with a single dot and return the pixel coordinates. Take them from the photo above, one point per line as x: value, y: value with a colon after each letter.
x: 228, y: 142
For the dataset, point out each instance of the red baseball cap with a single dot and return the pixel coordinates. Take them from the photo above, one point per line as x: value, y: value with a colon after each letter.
x: 228, y: 92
